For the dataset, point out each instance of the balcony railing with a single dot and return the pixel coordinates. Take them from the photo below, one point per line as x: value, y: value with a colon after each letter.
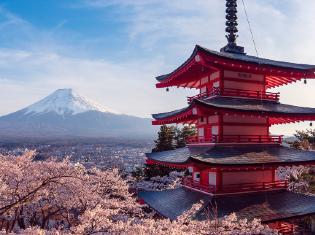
x: 237, y: 93
x: 265, y: 139
x: 234, y: 188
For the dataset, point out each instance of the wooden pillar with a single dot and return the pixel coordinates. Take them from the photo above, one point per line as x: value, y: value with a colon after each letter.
x: 265, y: 84
x: 221, y: 77
x: 220, y: 128
x: 219, y: 180
x: 268, y: 126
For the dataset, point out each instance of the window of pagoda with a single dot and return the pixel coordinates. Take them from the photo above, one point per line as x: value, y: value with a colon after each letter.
x: 207, y: 83
x: 196, y: 176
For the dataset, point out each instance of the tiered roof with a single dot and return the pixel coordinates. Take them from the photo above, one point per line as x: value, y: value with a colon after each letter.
x: 203, y: 61
x: 268, y: 206
x: 277, y: 112
x: 267, y: 155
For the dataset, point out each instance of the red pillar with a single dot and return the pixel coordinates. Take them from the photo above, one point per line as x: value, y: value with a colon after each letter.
x: 219, y: 180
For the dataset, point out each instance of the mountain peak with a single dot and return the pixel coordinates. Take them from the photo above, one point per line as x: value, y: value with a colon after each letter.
x: 64, y: 91
x: 65, y: 101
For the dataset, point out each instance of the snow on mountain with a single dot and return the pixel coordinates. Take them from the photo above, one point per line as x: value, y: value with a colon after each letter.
x: 65, y: 113
x: 65, y: 101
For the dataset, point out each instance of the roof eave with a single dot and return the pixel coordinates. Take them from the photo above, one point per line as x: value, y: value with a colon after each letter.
x: 246, y: 165
x: 308, y: 72
x: 162, y: 79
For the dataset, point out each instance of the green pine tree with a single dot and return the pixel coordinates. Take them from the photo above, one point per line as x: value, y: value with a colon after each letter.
x: 183, y: 134
x: 165, y: 140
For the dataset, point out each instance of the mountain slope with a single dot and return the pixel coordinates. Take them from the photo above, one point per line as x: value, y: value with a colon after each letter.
x: 65, y: 113
x: 65, y: 101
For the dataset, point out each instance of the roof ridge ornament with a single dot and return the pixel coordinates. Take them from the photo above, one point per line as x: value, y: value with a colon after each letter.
x: 231, y: 28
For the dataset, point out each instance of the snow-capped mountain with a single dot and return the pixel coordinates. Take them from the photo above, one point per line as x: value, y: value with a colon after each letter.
x: 65, y: 101
x: 65, y: 113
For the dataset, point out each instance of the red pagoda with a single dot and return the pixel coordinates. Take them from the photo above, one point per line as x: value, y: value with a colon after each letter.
x: 233, y: 159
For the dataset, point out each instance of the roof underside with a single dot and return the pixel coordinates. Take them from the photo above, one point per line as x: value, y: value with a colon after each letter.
x: 277, y: 72
x: 236, y: 155
x: 278, y: 113
x: 268, y: 206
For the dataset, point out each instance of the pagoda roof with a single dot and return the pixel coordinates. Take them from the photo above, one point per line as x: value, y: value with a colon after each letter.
x: 213, y: 61
x: 239, y: 105
x: 259, y: 61
x: 172, y: 203
x: 176, y: 112
x: 180, y: 155
x: 255, y: 105
x: 251, y: 155
x: 268, y: 206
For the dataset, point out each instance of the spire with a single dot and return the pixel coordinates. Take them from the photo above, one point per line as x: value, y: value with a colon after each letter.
x: 231, y: 21
x: 231, y: 28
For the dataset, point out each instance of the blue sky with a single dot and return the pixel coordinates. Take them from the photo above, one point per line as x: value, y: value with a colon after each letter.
x: 111, y: 50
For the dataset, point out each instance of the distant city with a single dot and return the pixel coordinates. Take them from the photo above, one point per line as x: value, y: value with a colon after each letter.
x: 122, y: 154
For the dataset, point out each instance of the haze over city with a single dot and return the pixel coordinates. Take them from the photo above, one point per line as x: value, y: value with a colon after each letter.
x: 111, y: 51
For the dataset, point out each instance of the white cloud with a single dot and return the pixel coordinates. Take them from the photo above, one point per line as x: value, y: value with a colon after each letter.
x: 126, y: 87
x: 282, y: 29
x: 167, y: 31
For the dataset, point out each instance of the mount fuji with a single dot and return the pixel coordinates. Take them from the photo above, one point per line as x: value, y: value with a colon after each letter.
x: 65, y: 113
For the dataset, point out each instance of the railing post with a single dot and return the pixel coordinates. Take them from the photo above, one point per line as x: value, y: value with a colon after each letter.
x: 243, y: 93
x: 220, y: 91
x: 280, y: 139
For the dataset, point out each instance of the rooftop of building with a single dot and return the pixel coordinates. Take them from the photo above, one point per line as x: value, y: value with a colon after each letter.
x: 268, y: 206
x: 305, y: 69
x: 251, y: 155
x: 245, y: 106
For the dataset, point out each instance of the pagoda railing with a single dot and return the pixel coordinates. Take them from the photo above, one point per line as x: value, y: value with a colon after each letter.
x: 275, y: 139
x: 234, y: 188
x: 262, y: 95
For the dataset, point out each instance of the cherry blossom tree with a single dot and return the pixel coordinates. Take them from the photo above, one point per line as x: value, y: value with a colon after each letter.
x: 295, y: 177
x: 157, y: 183
x: 52, y: 194
x: 50, y: 197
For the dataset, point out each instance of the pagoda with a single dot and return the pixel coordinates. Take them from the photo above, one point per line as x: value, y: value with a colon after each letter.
x: 233, y: 159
